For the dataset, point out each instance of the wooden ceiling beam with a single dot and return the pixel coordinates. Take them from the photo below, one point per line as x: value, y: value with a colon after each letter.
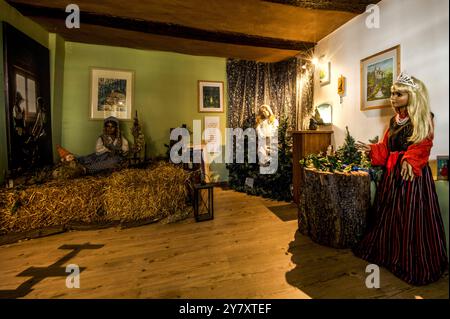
x: 353, y: 6
x: 165, y: 29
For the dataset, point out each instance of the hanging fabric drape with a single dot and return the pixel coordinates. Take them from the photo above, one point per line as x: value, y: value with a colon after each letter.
x: 251, y: 84
x: 287, y: 88
x: 305, y: 89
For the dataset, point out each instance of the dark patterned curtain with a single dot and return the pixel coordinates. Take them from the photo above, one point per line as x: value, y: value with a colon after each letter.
x: 251, y: 84
x: 305, y: 89
x: 287, y: 87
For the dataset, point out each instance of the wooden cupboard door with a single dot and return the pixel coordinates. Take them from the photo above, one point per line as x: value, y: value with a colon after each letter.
x: 305, y: 143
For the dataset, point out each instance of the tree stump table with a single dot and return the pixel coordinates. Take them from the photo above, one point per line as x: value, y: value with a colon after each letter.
x: 333, y: 207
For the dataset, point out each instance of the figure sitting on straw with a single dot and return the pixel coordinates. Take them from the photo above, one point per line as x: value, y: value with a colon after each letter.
x: 110, y: 153
x: 111, y: 149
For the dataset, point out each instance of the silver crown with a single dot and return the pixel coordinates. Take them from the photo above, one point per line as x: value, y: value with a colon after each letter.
x: 407, y: 80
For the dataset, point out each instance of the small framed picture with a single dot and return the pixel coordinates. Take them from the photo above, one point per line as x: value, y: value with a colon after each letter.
x: 111, y: 93
x: 210, y: 96
x: 442, y: 167
x: 325, y: 73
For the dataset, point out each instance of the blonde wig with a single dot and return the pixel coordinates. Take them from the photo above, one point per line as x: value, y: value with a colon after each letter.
x: 418, y: 109
x: 260, y: 116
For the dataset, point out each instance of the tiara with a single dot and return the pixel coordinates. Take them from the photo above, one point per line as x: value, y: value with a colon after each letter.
x: 404, y: 78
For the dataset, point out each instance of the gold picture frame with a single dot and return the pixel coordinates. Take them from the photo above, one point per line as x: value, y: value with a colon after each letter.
x: 378, y: 73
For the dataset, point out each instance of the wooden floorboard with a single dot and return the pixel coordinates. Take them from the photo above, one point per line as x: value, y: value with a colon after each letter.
x: 250, y: 250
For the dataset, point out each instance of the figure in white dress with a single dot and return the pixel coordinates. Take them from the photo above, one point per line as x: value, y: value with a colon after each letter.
x: 267, y: 129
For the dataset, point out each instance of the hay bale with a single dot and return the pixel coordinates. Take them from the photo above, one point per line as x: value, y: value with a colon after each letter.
x: 146, y: 194
x: 126, y: 196
x: 51, y: 204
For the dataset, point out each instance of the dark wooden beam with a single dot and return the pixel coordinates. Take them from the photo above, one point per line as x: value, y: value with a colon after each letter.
x: 161, y: 28
x: 354, y: 6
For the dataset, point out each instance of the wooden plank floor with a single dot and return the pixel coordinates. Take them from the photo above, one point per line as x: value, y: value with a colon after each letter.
x: 250, y: 250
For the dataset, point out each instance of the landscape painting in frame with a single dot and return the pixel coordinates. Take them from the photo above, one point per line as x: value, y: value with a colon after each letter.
x: 111, y: 93
x: 378, y: 73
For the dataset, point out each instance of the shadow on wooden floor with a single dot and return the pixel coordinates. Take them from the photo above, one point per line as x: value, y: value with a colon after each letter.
x: 286, y: 212
x: 38, y: 274
x: 329, y: 273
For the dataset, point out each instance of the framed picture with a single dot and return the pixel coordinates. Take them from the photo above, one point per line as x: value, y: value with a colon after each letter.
x: 210, y: 96
x: 378, y: 73
x: 442, y: 167
x: 27, y: 126
x: 324, y: 73
x: 111, y: 93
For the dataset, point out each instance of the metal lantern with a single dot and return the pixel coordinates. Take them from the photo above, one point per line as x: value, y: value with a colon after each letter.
x: 203, y: 202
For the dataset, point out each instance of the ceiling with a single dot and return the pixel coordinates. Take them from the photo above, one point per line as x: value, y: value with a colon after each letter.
x: 268, y: 31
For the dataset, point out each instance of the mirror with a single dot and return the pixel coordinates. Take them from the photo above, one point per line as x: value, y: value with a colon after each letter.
x: 325, y: 113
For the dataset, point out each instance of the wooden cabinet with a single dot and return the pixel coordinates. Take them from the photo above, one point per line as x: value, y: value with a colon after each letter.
x: 304, y: 143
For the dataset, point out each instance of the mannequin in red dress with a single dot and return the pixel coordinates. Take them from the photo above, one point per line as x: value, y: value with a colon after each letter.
x: 405, y: 232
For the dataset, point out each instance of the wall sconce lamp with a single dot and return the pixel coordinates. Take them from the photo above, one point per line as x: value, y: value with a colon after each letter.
x: 341, y: 87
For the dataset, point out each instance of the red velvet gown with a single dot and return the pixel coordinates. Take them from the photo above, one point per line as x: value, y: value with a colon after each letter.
x: 405, y: 231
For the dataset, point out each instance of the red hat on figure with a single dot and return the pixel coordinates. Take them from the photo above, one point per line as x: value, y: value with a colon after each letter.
x: 62, y: 151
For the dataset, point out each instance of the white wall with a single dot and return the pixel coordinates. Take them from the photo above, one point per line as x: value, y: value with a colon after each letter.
x: 421, y: 27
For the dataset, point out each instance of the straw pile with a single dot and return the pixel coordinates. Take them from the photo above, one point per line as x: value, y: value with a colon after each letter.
x: 136, y: 194
x: 130, y: 195
x: 51, y: 204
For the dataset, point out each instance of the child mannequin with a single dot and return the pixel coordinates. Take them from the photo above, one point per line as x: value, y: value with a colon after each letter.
x: 266, y: 127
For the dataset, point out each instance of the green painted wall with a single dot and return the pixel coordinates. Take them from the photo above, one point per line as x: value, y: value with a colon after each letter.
x: 57, y: 55
x: 165, y: 94
x: 27, y: 26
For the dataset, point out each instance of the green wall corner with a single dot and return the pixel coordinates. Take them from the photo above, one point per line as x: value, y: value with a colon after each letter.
x: 57, y: 56
x: 165, y: 94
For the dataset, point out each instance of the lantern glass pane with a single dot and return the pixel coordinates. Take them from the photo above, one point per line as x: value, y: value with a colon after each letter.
x: 203, y: 204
